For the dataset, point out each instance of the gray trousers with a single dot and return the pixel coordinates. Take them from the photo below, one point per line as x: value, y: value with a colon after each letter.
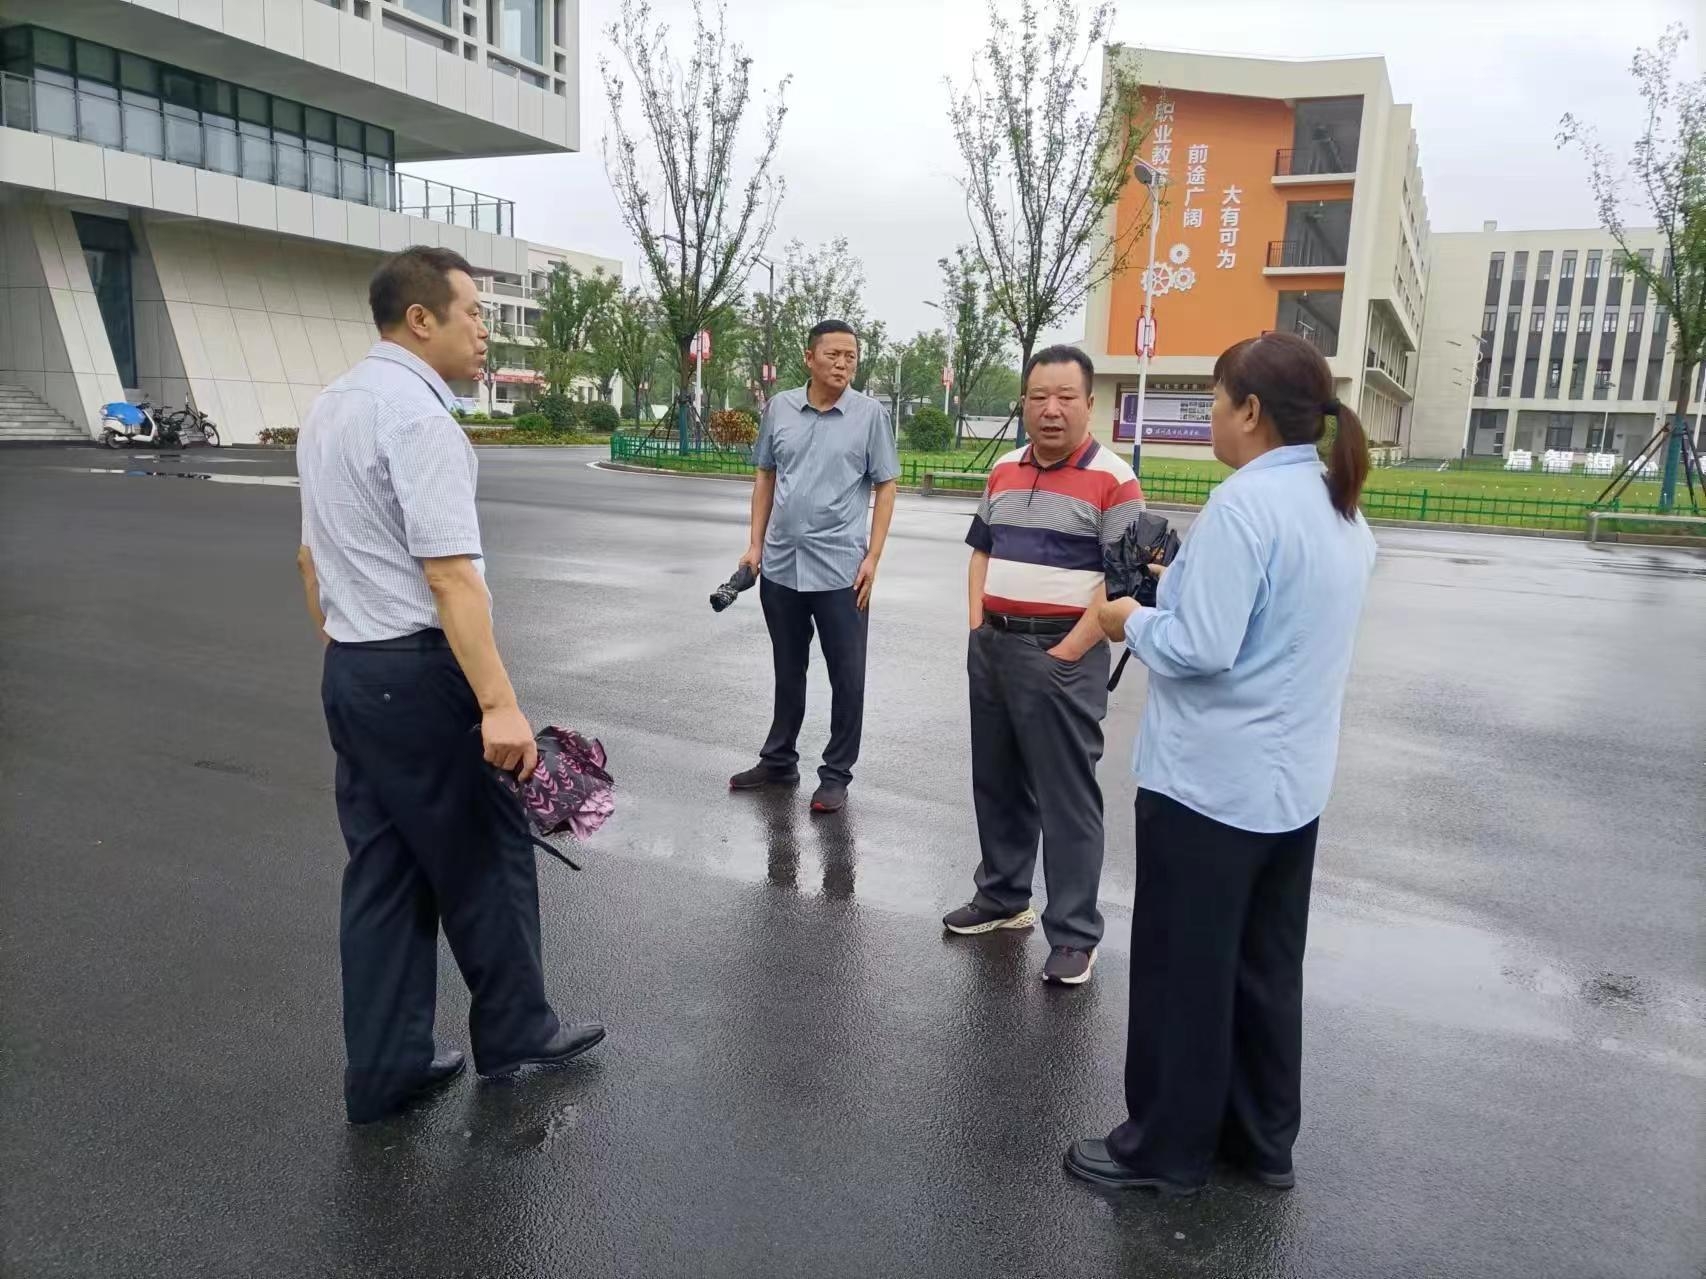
x: 1036, y: 738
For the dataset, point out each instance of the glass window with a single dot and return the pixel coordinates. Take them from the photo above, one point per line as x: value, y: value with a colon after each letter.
x: 317, y: 124
x: 322, y: 169
x: 139, y: 75
x: 98, y: 114
x: 1325, y: 131
x: 349, y: 133
x: 286, y: 117
x: 1538, y: 322
x: 1602, y: 376
x: 1567, y: 267
x: 437, y: 10
x: 1584, y: 322
x: 378, y: 142
x: 52, y: 50
x: 1609, y: 324
x: 1561, y: 320
x: 378, y: 182
x: 96, y: 62
x: 290, y: 163
x: 1592, y: 272
x: 143, y: 128
x: 1512, y: 319
x: 15, y: 49
x: 1635, y: 321
x: 352, y: 176
x: 218, y: 98
x: 1489, y: 319
x: 1495, y: 268
x: 1313, y: 314
x: 1519, y: 268
x: 255, y: 146
x: 518, y: 27
x: 1554, y: 375
x: 1616, y: 271
x: 252, y: 107
x: 1545, y: 265
x: 179, y: 89
x: 55, y: 104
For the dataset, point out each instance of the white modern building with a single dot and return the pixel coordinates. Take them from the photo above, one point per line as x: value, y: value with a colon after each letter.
x: 1541, y: 340
x: 512, y: 300
x: 193, y: 193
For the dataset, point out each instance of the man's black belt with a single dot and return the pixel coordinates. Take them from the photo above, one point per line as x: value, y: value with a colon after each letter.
x: 419, y: 642
x: 1030, y: 625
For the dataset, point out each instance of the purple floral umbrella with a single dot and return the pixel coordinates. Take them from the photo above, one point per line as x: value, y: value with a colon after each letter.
x: 569, y: 791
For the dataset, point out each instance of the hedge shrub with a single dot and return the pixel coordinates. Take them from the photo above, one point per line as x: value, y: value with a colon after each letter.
x: 929, y: 431
x: 732, y: 429
x: 599, y: 417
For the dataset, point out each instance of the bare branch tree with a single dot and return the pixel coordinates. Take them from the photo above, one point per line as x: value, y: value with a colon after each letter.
x: 1043, y: 171
x: 689, y: 124
x: 1668, y: 166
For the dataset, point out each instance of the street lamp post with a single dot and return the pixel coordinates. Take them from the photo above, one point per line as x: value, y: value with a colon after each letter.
x: 1154, y: 180
x: 768, y: 377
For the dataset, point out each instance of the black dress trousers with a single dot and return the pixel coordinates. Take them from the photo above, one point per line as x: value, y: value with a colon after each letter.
x: 428, y: 842
x: 1214, y: 1043
x: 843, y: 631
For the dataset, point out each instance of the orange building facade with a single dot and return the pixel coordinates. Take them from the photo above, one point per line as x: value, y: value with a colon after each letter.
x: 1287, y: 196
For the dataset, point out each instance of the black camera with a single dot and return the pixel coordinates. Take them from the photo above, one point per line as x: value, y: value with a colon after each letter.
x: 725, y: 594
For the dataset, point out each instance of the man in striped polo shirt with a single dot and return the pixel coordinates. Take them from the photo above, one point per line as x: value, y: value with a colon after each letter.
x: 1039, y: 666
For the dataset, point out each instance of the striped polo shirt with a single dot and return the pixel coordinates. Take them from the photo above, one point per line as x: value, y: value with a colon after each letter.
x: 1044, y: 528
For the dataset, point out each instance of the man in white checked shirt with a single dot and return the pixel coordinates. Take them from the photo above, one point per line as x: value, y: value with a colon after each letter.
x: 419, y: 706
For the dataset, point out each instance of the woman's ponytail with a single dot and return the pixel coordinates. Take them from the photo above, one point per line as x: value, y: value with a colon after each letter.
x: 1347, y: 459
x: 1295, y: 386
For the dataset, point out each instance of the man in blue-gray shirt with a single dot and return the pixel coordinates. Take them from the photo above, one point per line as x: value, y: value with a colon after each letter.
x: 418, y: 705
x: 822, y: 451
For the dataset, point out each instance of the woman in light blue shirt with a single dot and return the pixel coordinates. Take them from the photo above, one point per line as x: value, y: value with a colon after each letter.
x: 1248, y: 649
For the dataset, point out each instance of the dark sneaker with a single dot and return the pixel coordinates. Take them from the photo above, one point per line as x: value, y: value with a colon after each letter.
x: 971, y: 919
x: 1069, y: 967
x: 760, y: 777
x: 1091, y: 1160
x: 831, y: 797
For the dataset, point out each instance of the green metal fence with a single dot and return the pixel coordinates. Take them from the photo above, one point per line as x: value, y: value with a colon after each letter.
x: 949, y: 473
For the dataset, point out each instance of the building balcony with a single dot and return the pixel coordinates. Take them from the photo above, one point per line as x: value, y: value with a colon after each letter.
x: 257, y: 153
x: 1315, y: 164
x: 1304, y: 257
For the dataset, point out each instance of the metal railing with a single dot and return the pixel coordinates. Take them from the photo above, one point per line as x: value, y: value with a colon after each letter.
x: 1292, y: 162
x: 151, y: 128
x: 1303, y: 253
x: 1421, y: 506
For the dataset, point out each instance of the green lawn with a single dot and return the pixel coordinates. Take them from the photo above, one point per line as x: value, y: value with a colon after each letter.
x: 1475, y: 482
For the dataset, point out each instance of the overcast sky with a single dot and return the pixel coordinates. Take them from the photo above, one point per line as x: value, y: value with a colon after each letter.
x: 867, y: 153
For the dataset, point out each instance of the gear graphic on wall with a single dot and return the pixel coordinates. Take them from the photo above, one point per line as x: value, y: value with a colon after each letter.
x: 1179, y: 254
x: 1164, y: 279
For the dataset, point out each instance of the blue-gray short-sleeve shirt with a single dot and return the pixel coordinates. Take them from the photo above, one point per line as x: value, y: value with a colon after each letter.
x: 826, y: 464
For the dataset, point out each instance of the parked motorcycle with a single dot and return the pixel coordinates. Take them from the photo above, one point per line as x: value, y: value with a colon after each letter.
x: 125, y: 424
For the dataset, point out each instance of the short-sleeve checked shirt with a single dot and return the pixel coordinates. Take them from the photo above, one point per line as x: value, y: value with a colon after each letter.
x: 1045, y: 527
x: 388, y: 480
x: 826, y: 464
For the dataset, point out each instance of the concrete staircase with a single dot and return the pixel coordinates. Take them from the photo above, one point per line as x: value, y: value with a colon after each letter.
x: 25, y: 418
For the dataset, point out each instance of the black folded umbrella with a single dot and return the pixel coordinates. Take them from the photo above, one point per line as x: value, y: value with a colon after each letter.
x: 1125, y: 565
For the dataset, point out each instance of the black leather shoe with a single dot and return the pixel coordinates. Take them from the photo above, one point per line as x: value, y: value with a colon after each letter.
x: 1090, y: 1160
x: 568, y: 1043
x: 445, y: 1068
x: 762, y: 776
x: 831, y: 797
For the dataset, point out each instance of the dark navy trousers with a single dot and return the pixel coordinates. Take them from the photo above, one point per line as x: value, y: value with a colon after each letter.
x: 429, y: 842
x: 843, y: 631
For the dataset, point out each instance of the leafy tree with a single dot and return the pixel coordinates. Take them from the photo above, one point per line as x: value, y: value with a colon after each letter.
x: 1043, y: 172
x: 1669, y: 168
x: 628, y: 343
x: 997, y: 392
x: 909, y: 372
x: 826, y: 283
x: 688, y: 137
x: 929, y: 430
x: 980, y: 331
x: 573, y: 306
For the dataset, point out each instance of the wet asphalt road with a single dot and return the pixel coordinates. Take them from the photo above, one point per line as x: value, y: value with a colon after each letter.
x: 1505, y: 1067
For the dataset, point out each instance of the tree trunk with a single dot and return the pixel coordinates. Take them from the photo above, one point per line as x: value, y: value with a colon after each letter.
x: 1025, y: 345
x: 1673, y: 440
